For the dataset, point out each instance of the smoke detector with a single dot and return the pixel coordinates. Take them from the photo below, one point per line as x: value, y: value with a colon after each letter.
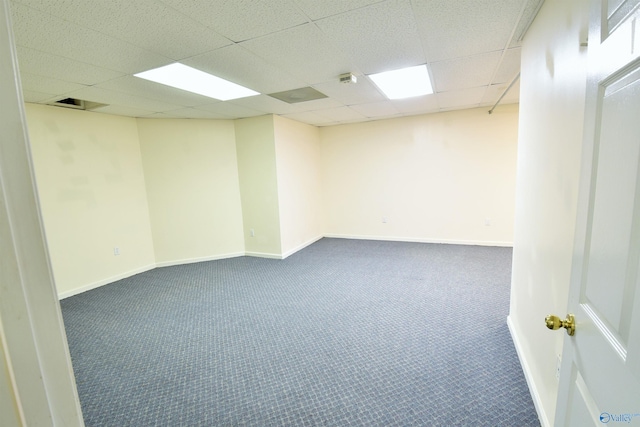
x: 348, y: 78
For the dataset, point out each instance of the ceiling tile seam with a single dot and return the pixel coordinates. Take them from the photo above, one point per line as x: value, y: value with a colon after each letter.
x: 504, y: 50
x: 98, y: 32
x: 340, y: 13
x: 196, y: 21
x: 70, y: 94
x: 122, y: 73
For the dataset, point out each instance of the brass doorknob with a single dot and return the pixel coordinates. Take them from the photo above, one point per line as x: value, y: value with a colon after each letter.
x: 554, y: 322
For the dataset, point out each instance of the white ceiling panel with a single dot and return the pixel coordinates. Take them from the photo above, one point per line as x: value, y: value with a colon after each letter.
x: 148, y: 24
x: 494, y: 92
x: 229, y: 109
x: 454, y: 74
x: 453, y: 29
x: 35, y: 97
x: 317, y: 104
x: 194, y: 113
x: 377, y: 109
x: 122, y: 110
x: 57, y: 67
x: 267, y: 104
x: 315, y: 9
x: 530, y: 11
x: 311, y: 118
x: 340, y: 114
x: 352, y: 93
x: 238, y: 65
x: 379, y: 37
x: 76, y: 42
x: 241, y: 20
x: 305, y: 51
x: 111, y: 97
x: 466, y: 98
x: 46, y: 84
x: 151, y: 90
x: 509, y: 67
x: 417, y: 105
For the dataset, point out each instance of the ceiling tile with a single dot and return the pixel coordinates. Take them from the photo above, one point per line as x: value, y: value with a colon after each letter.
x: 238, y: 65
x: 315, y: 9
x: 73, y: 41
x: 151, y: 90
x: 304, y: 51
x: 466, y: 98
x: 60, y: 68
x: 453, y: 29
x: 229, y: 109
x: 494, y: 92
x: 377, y: 109
x: 43, y: 84
x: 530, y: 11
x: 351, y: 93
x: 121, y: 110
x: 377, y: 38
x: 417, y: 105
x: 110, y: 97
x: 148, y: 24
x: 32, y: 96
x: 311, y: 118
x: 509, y: 67
x: 241, y: 20
x: 195, y: 113
x: 266, y: 104
x: 454, y: 74
x: 339, y: 114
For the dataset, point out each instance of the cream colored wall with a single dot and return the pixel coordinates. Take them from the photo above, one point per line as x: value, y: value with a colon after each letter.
x: 299, y: 187
x: 551, y: 118
x: 92, y: 195
x: 191, y: 176
x: 255, y: 147
x: 433, y: 178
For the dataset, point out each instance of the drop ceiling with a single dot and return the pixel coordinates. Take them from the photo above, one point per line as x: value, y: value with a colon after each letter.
x: 90, y: 50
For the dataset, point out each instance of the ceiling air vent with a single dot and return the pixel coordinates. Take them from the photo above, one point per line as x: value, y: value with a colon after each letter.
x: 78, y: 104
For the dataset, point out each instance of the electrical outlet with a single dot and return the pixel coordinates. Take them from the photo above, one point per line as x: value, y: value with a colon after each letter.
x: 384, y: 219
x: 558, y: 363
x: 252, y: 233
x: 487, y: 222
x: 116, y: 251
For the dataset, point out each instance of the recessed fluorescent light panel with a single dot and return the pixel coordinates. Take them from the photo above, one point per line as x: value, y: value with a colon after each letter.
x: 186, y: 78
x: 404, y: 83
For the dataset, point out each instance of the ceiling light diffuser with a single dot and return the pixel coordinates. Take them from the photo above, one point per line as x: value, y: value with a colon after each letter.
x: 404, y: 83
x: 187, y: 78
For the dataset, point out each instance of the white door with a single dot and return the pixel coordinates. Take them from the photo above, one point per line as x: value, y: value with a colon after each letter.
x: 600, y: 373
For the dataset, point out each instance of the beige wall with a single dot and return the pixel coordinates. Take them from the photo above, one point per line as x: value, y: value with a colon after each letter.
x: 92, y: 194
x: 551, y: 118
x: 434, y: 178
x: 191, y: 176
x: 299, y: 187
x: 256, y: 152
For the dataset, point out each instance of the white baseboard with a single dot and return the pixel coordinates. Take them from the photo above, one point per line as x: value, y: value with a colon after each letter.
x: 264, y: 255
x: 90, y: 286
x: 535, y: 395
x: 199, y: 259
x: 300, y: 247
x: 423, y: 240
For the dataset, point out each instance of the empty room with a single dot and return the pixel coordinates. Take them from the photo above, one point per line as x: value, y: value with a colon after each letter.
x: 302, y: 213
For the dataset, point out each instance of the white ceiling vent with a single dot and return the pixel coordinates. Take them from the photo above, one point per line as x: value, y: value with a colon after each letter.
x: 78, y: 104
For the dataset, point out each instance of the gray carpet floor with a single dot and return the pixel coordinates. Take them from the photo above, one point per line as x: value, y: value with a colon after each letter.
x: 342, y: 333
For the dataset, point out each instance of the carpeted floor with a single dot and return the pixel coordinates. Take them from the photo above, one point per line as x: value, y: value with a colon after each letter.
x: 342, y: 333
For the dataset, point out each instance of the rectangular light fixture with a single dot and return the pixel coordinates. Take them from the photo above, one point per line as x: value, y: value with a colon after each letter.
x: 186, y: 78
x: 404, y: 83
